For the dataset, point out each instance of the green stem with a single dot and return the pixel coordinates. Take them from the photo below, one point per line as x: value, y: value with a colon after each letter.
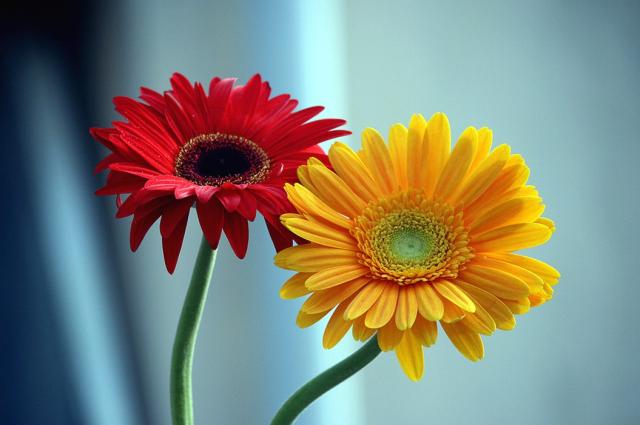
x: 186, y: 334
x: 322, y: 383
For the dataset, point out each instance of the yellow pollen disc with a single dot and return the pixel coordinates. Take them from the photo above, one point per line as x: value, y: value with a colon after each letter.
x: 408, y: 238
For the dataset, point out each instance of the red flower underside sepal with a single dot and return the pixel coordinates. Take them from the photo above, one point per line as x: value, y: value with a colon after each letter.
x: 226, y: 209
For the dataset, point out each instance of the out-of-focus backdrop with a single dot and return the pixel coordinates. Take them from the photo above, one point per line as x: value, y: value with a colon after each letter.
x: 86, y: 326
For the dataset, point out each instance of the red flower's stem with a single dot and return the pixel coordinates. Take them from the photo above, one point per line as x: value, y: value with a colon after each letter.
x: 322, y: 383
x: 186, y: 334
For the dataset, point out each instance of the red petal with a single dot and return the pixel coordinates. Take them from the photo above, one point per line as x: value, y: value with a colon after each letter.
x: 136, y: 170
x: 279, y: 236
x: 230, y: 199
x: 166, y: 183
x: 204, y: 193
x: 188, y: 97
x: 174, y: 214
x: 103, y: 135
x: 178, y: 120
x: 248, y: 205
x: 294, y: 121
x: 211, y: 217
x: 237, y: 230
x: 143, y: 220
x: 242, y: 104
x: 184, y: 191
x: 144, y: 122
x: 141, y: 150
x: 307, y: 135
x: 271, y: 200
x: 171, y: 245
x: 154, y: 99
x: 108, y: 160
x: 137, y: 200
x: 219, y: 92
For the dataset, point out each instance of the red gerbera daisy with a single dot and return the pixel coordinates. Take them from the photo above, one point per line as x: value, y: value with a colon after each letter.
x: 228, y: 151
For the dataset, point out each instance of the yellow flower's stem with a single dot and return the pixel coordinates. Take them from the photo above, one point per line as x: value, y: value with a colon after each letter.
x: 322, y: 383
x: 186, y: 334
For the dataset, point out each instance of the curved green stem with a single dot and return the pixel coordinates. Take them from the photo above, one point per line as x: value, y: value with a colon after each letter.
x: 322, y: 383
x: 186, y: 334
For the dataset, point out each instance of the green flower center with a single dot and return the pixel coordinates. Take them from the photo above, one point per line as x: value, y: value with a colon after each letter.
x: 408, y: 240
x: 410, y: 245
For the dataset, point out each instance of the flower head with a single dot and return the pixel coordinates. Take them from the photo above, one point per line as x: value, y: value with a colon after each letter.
x: 414, y: 233
x: 229, y: 151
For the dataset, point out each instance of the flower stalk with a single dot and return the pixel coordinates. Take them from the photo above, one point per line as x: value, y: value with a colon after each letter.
x: 186, y: 335
x: 324, y: 382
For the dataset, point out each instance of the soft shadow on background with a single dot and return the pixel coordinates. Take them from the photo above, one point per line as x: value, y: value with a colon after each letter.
x: 86, y: 326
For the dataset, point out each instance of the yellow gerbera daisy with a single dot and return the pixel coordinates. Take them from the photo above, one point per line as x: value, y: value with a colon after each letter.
x: 414, y: 233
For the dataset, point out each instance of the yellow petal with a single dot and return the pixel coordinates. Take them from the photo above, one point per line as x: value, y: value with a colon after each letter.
x: 335, y: 192
x: 520, y: 306
x: 305, y: 179
x: 305, y: 320
x: 336, y: 328
x: 308, y: 203
x: 533, y: 281
x: 454, y: 294
x: 452, y: 313
x: 360, y: 331
x: 312, y: 160
x: 426, y: 331
x: 511, y: 177
x: 547, y: 222
x: 512, y: 211
x: 407, y: 308
x: 485, y: 138
x: 482, y: 177
x: 429, y: 303
x: 495, y: 281
x: 389, y: 336
x: 456, y: 168
x: 313, y: 257
x: 398, y: 135
x: 327, y: 299
x: 468, y: 342
x: 415, y: 166
x: 363, y: 301
x: 384, y: 309
x: 294, y: 286
x: 377, y: 158
x: 480, y: 321
x: 319, y: 233
x: 410, y: 356
x: 354, y: 172
x: 501, y: 314
x: 512, y: 238
x: 542, y: 269
x: 334, y: 276
x: 436, y: 146
x: 542, y: 296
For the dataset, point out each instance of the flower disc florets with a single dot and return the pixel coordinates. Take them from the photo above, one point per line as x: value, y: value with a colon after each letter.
x: 407, y: 239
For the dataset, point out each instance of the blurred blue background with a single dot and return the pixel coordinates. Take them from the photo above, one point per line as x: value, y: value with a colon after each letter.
x: 86, y: 326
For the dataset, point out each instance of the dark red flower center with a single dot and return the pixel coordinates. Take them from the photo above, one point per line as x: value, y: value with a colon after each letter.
x: 214, y: 159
